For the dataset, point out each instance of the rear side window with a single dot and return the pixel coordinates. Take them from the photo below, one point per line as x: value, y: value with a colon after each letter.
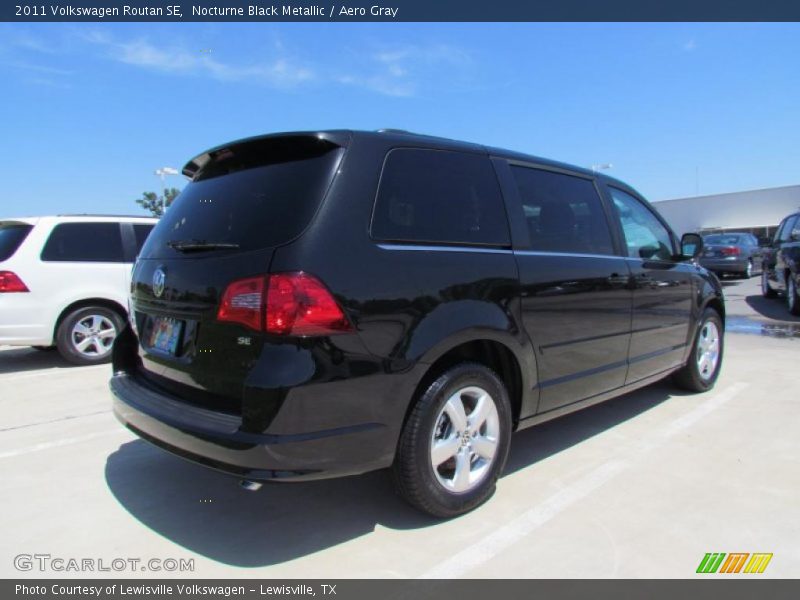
x: 563, y: 213
x: 255, y: 195
x: 11, y: 237
x: 439, y: 197
x: 140, y: 233
x: 84, y: 242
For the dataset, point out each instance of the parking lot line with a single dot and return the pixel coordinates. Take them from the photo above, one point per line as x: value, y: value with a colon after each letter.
x: 59, y: 443
x: 53, y: 371
x: 485, y: 549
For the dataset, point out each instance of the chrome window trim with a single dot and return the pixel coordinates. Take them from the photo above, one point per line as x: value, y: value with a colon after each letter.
x: 567, y: 254
x: 433, y: 248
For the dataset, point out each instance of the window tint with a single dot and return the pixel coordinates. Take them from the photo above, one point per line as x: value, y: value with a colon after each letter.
x: 84, y: 242
x: 645, y: 236
x: 794, y: 232
x: 11, y: 237
x: 785, y: 233
x: 140, y: 232
x: 255, y: 195
x: 563, y: 213
x: 436, y: 196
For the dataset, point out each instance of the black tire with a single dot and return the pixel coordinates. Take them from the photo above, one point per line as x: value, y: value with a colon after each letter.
x: 766, y: 290
x: 792, y: 295
x: 690, y: 377
x: 99, y: 350
x: 420, y: 483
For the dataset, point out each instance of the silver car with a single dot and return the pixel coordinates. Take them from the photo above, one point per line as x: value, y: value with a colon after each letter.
x: 735, y: 254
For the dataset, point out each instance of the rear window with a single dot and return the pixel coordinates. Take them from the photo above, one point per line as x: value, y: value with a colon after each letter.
x: 11, y: 237
x: 84, y: 242
x: 255, y: 195
x: 723, y: 239
x: 439, y: 197
x: 140, y: 233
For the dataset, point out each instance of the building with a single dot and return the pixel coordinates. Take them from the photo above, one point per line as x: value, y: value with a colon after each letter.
x: 757, y: 211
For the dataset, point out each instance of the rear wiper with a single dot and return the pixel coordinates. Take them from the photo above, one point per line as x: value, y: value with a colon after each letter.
x: 198, y: 245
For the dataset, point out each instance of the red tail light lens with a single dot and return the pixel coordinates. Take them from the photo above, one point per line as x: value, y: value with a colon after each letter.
x: 731, y: 251
x: 299, y: 304
x: 294, y: 304
x: 10, y: 282
x: 243, y: 302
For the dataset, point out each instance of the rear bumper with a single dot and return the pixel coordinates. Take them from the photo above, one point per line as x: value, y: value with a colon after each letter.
x: 725, y: 265
x: 216, y: 440
x: 21, y: 322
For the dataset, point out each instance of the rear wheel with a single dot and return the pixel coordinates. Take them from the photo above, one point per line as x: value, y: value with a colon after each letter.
x: 766, y: 290
x: 454, y: 445
x: 792, y: 299
x: 702, y: 369
x: 86, y: 335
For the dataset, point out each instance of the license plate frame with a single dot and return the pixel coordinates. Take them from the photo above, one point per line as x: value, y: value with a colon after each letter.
x: 165, y: 335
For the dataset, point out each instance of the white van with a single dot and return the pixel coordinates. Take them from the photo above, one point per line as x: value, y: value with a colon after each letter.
x: 64, y: 282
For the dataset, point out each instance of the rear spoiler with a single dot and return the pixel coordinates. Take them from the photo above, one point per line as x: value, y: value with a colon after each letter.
x: 257, y: 146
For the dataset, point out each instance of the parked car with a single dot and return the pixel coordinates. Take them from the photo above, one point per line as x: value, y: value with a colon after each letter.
x: 781, y: 272
x: 64, y: 282
x: 736, y: 254
x: 330, y: 303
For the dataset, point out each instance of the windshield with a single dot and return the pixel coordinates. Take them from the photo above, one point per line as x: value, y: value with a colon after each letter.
x: 11, y: 238
x: 248, y: 198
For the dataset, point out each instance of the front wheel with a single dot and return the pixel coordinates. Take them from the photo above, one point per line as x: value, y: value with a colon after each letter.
x: 455, y: 443
x: 792, y: 298
x: 700, y: 372
x: 748, y: 270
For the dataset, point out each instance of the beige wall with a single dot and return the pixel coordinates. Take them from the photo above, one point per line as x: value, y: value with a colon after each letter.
x: 738, y: 210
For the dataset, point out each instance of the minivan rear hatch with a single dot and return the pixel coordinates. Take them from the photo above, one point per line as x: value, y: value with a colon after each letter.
x: 243, y: 201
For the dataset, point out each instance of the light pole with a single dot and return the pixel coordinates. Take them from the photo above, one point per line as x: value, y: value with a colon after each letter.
x: 597, y: 168
x: 162, y: 173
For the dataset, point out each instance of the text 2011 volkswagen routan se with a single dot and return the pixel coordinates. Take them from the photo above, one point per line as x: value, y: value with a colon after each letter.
x: 329, y: 303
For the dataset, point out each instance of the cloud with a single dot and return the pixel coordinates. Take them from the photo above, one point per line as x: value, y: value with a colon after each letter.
x: 689, y: 45
x: 281, y: 72
x: 403, y: 71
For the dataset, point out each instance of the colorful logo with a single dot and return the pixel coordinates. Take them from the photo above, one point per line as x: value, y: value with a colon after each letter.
x: 716, y: 562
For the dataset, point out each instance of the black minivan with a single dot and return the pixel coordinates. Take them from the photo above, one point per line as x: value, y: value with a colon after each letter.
x: 329, y: 303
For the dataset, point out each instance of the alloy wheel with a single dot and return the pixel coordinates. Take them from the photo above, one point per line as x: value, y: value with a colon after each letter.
x: 708, y: 344
x: 465, y: 439
x: 93, y: 335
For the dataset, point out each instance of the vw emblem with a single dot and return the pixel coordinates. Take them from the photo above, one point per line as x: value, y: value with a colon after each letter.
x: 159, y: 278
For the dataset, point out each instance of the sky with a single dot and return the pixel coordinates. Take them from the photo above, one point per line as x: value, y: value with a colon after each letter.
x: 89, y: 111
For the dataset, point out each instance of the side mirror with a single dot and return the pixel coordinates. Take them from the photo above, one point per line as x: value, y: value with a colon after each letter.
x: 691, y: 245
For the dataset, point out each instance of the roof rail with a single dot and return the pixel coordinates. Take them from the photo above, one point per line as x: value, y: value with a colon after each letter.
x: 106, y: 215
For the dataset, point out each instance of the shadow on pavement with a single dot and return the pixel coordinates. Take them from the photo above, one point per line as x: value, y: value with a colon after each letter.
x: 206, y: 512
x: 771, y: 308
x: 17, y: 360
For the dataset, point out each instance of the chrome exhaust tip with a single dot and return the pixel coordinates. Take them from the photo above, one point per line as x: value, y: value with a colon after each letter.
x: 250, y: 486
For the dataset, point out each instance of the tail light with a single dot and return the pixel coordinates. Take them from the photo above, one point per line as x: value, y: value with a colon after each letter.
x: 10, y: 282
x: 283, y: 304
x: 243, y: 302
x: 730, y: 251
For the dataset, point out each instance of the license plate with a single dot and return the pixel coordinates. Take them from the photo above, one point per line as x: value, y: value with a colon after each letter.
x: 165, y: 334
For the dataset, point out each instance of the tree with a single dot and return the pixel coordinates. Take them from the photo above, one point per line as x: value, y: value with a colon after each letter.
x: 155, y: 203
